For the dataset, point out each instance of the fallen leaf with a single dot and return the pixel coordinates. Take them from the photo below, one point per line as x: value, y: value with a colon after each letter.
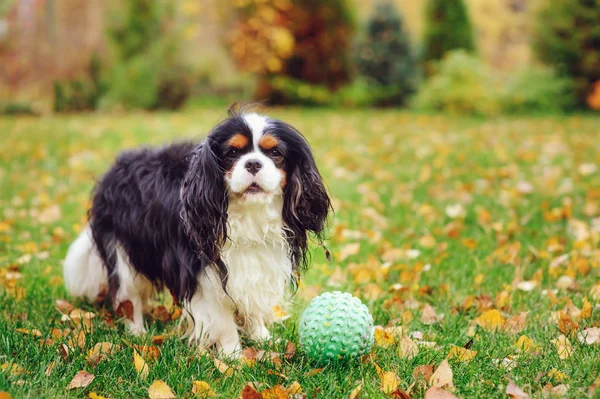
x: 586, y: 309
x: 490, y: 320
x: 77, y: 340
x: 557, y: 375
x: 516, y: 324
x: 428, y: 315
x: 34, y: 332
x: 5, y: 395
x: 527, y: 286
x: 159, y: 339
x: 125, y: 310
x: 526, y: 345
x: 250, y: 393
x: 94, y: 395
x: 407, y: 349
x: 202, y: 389
x: 161, y: 313
x: 348, y: 250
x: 383, y: 339
x: 160, y: 390
x: 140, y: 365
x: 438, y: 393
x: 563, y: 347
x: 514, y: 391
x: 64, y: 306
x: 277, y: 392
x: 223, y: 367
x: 442, y: 377
x: 81, y: 380
x: 100, y: 351
x: 389, y: 381
x: 356, y: 391
x: 148, y: 352
x: 589, y: 336
x: 461, y: 354
x: 50, y: 368
x: 424, y: 372
x: 294, y: 388
x: 315, y: 372
x: 290, y: 350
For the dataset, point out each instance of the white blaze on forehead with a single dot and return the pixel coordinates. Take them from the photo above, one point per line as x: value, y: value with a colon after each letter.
x: 257, y: 124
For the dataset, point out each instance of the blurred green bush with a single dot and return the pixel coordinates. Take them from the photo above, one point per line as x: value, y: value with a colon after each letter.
x: 384, y: 57
x: 464, y: 84
x: 447, y: 28
x: 567, y: 36
x: 144, y: 67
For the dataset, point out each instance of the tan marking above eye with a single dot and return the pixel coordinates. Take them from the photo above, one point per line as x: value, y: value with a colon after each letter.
x: 238, y: 141
x: 268, y: 142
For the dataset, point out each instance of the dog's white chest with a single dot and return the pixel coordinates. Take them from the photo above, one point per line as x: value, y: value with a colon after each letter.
x: 257, y: 258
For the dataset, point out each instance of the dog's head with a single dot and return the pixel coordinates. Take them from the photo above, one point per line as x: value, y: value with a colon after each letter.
x: 252, y: 158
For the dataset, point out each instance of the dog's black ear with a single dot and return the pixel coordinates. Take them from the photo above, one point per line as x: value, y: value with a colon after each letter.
x: 306, y: 203
x: 205, y: 202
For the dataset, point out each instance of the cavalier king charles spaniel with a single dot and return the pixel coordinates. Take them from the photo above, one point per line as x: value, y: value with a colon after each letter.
x: 223, y: 224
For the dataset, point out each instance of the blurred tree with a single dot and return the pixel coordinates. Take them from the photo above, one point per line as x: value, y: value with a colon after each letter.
x: 385, y: 57
x: 568, y: 37
x: 305, y: 40
x: 447, y: 27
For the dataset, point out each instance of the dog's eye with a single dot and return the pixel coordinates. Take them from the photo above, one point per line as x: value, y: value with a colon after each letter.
x: 232, y: 152
x: 275, y: 153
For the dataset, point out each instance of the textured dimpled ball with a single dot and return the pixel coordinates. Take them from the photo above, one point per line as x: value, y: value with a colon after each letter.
x: 336, y: 326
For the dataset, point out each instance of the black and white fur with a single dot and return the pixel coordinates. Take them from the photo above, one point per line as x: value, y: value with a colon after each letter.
x: 224, y: 238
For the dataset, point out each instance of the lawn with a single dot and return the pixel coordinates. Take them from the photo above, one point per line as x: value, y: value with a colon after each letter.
x: 477, y: 240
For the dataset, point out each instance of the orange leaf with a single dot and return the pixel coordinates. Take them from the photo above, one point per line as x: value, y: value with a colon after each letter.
x: 81, y: 380
x: 160, y: 390
x: 250, y: 393
x: 34, y: 332
x: 125, y: 310
x: 277, y: 392
x: 161, y: 313
x: 356, y: 391
x: 5, y: 395
x: 148, y: 352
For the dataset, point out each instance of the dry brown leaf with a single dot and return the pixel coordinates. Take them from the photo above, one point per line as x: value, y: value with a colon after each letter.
x: 491, y: 320
x: 383, y: 338
x: 50, y: 368
x: 223, y: 367
x: 64, y: 306
x: 424, y: 372
x: 516, y: 324
x: 202, y: 389
x: 442, y: 377
x: 290, y: 350
x: 160, y: 390
x: 563, y: 347
x: 100, y: 351
x: 34, y: 332
x: 77, y: 340
x: 407, y: 349
x: 589, y: 336
x: 250, y: 393
x: 81, y: 380
x: 389, y: 381
x: 140, y: 365
x: 438, y: 393
x: 125, y: 310
x: 159, y: 339
x: 515, y: 392
x: 356, y: 391
x: 461, y: 354
x: 277, y: 392
x: 148, y: 352
x: 315, y: 372
x: 428, y: 315
x: 565, y: 324
x: 161, y: 313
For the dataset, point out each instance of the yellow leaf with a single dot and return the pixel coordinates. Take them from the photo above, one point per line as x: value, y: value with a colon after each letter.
x: 408, y: 348
x: 557, y: 375
x: 586, y: 309
x: 294, y: 388
x: 461, y: 354
x: 526, y: 345
x: 277, y: 392
x: 223, y: 367
x: 389, y: 382
x: 356, y: 391
x: 202, y: 390
x: 563, y: 347
x: 491, y: 320
x: 160, y: 390
x: 81, y: 380
x: 140, y: 364
x: 94, y: 395
x: 442, y: 377
x: 383, y: 338
x: 100, y: 351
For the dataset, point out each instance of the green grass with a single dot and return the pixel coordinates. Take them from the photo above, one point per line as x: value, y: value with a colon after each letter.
x: 392, y: 176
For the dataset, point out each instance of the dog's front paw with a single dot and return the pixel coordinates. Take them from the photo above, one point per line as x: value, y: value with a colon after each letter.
x: 136, y: 329
x: 260, y: 333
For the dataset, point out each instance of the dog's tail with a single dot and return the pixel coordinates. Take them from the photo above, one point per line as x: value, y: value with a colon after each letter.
x: 83, y: 269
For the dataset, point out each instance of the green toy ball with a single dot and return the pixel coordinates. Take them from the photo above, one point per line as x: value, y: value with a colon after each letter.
x: 336, y: 326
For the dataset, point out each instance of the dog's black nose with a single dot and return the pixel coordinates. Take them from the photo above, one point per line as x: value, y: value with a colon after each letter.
x: 253, y: 166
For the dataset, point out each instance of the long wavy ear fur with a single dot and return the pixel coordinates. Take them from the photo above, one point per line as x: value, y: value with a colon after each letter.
x: 306, y: 205
x: 205, y: 204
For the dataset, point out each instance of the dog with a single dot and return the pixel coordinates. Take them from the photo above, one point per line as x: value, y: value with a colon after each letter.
x: 223, y: 224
